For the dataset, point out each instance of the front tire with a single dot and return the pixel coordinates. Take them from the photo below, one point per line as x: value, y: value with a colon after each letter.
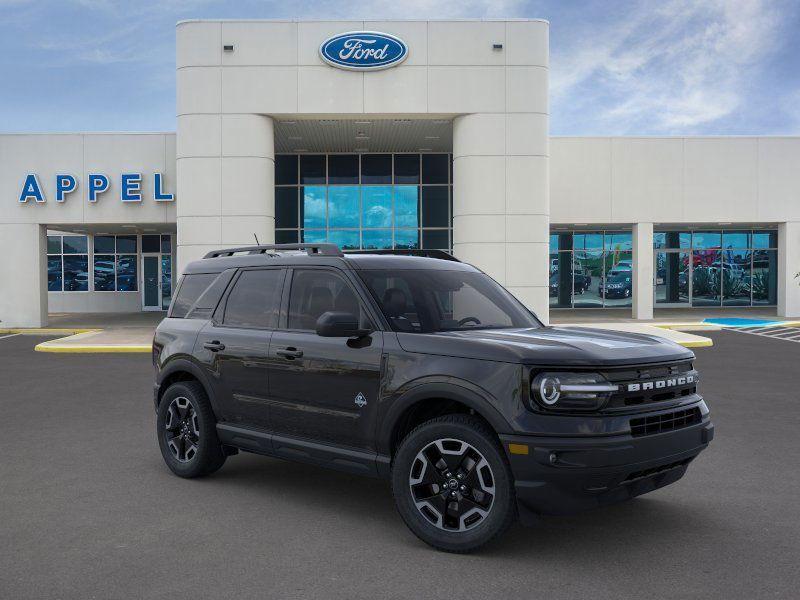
x: 187, y: 432
x: 452, y: 484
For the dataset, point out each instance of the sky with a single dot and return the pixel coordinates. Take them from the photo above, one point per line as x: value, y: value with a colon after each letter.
x: 617, y: 67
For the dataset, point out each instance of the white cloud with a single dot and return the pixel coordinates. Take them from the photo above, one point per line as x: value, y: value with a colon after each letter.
x: 669, y: 69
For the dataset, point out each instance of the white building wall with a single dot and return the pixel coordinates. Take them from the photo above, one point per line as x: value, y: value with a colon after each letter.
x: 452, y: 71
x: 23, y: 275
x: 699, y: 181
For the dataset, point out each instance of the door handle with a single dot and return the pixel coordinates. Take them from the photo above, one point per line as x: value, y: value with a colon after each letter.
x: 214, y: 346
x: 290, y: 353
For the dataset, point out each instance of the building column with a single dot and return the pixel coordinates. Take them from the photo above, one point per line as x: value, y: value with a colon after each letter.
x: 501, y: 201
x: 23, y: 271
x: 226, y: 183
x: 788, y: 266
x: 642, y: 271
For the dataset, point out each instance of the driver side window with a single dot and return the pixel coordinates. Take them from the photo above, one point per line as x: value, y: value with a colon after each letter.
x: 314, y: 292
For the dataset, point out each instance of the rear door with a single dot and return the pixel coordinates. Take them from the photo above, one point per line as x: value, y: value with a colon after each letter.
x: 234, y: 345
x: 324, y: 389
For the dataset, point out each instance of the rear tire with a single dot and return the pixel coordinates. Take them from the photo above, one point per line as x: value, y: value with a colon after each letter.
x: 452, y: 484
x: 187, y: 431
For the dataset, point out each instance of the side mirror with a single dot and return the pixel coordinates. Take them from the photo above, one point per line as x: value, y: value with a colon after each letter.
x: 340, y: 324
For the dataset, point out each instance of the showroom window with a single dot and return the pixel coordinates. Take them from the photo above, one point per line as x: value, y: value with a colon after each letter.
x: 67, y: 263
x: 591, y: 269
x: 114, y: 263
x: 365, y: 201
x: 716, y: 267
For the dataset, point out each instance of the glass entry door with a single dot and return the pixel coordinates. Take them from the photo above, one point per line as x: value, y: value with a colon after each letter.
x: 151, y: 282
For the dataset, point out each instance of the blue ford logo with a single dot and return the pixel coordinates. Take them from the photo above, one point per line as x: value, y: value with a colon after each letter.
x: 363, y: 50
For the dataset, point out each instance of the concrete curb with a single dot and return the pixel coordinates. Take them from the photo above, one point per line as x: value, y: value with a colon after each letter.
x: 98, y: 349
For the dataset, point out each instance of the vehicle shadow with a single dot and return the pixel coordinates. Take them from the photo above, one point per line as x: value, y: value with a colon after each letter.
x: 632, y: 525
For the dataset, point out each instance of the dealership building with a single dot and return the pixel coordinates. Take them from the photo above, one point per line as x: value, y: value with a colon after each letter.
x: 394, y: 134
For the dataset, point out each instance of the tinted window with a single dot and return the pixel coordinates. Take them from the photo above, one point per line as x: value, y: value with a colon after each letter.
x: 285, y: 169
x: 315, y: 292
x: 406, y: 168
x: 191, y: 287
x: 312, y: 169
x: 150, y: 243
x: 376, y: 168
x: 285, y: 207
x: 434, y: 168
x: 104, y: 244
x: 434, y: 207
x: 254, y: 299
x: 75, y: 244
x: 343, y: 168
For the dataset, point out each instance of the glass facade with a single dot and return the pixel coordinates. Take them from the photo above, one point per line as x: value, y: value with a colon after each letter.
x: 716, y: 268
x: 591, y: 269
x: 67, y: 263
x: 115, y: 263
x: 365, y: 201
x: 106, y: 263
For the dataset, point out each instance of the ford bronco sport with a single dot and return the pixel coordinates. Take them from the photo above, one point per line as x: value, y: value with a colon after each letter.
x: 424, y: 371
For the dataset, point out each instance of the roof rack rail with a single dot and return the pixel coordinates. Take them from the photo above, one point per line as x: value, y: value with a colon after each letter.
x: 440, y: 254
x: 311, y: 249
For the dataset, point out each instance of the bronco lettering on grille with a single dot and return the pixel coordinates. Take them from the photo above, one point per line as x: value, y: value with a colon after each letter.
x: 660, y: 383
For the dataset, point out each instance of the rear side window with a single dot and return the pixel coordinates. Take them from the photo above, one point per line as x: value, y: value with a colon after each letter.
x: 254, y: 300
x: 192, y: 286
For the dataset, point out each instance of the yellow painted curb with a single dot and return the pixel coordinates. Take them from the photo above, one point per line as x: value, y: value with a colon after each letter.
x: 45, y: 347
x: 705, y: 343
x: 46, y: 331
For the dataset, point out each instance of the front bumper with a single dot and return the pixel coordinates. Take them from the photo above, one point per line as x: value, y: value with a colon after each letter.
x: 563, y: 475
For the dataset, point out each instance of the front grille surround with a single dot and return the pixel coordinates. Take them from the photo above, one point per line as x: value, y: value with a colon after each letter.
x: 643, y: 375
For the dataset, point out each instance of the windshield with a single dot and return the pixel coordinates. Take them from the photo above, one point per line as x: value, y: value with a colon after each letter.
x: 428, y: 301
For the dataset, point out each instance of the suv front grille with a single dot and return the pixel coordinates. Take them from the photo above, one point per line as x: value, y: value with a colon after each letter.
x: 665, y: 422
x: 649, y: 384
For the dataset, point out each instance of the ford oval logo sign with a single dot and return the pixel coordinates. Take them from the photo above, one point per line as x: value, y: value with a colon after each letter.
x: 363, y: 50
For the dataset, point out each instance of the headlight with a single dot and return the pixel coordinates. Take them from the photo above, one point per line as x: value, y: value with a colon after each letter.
x: 571, y: 391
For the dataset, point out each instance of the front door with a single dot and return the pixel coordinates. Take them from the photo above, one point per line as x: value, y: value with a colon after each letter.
x: 324, y: 389
x: 151, y: 282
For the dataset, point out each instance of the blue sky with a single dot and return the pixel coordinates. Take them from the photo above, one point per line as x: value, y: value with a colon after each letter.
x: 617, y: 67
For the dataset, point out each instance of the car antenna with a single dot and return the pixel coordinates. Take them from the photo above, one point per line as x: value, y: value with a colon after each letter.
x: 255, y: 236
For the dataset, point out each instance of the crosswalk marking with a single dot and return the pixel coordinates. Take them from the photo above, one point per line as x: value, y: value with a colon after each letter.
x: 790, y: 334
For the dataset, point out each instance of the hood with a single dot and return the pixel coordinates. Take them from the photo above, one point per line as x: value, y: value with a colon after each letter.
x: 574, y: 346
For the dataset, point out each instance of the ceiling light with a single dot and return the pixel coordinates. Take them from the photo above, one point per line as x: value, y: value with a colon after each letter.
x: 426, y: 149
x: 128, y: 226
x: 363, y: 122
x: 288, y: 122
x: 432, y: 137
x: 301, y: 150
x: 295, y: 137
x: 361, y: 149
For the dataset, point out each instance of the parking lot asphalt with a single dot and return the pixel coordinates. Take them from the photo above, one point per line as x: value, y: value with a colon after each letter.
x: 88, y: 510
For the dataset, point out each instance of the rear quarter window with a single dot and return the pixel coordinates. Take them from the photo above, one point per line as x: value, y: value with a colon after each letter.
x: 191, y: 287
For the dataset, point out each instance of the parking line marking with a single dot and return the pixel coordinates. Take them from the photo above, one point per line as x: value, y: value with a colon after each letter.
x: 790, y: 333
x: 2, y: 337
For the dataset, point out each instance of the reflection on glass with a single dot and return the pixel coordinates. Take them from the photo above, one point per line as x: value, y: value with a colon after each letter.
x: 75, y: 244
x: 560, y: 279
x: 672, y: 277
x: 765, y: 239
x: 166, y: 244
x: 343, y: 206
x: 706, y: 278
x: 376, y: 205
x: 104, y: 244
x: 434, y: 206
x: 618, y: 241
x: 54, y: 279
x: 736, y: 239
x: 406, y: 238
x: 166, y: 279
x: 314, y: 206
x: 588, y: 241
x: 406, y: 206
x: 617, y: 285
x: 735, y: 274
x: 765, y: 277
x: 315, y: 236
x: 54, y: 244
x: 672, y: 239
x: 104, y: 272
x: 377, y: 239
x: 76, y: 273
x: 126, y: 274
x: 345, y: 239
x: 126, y: 244
x: 150, y: 244
x: 587, y: 278
x: 706, y: 239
